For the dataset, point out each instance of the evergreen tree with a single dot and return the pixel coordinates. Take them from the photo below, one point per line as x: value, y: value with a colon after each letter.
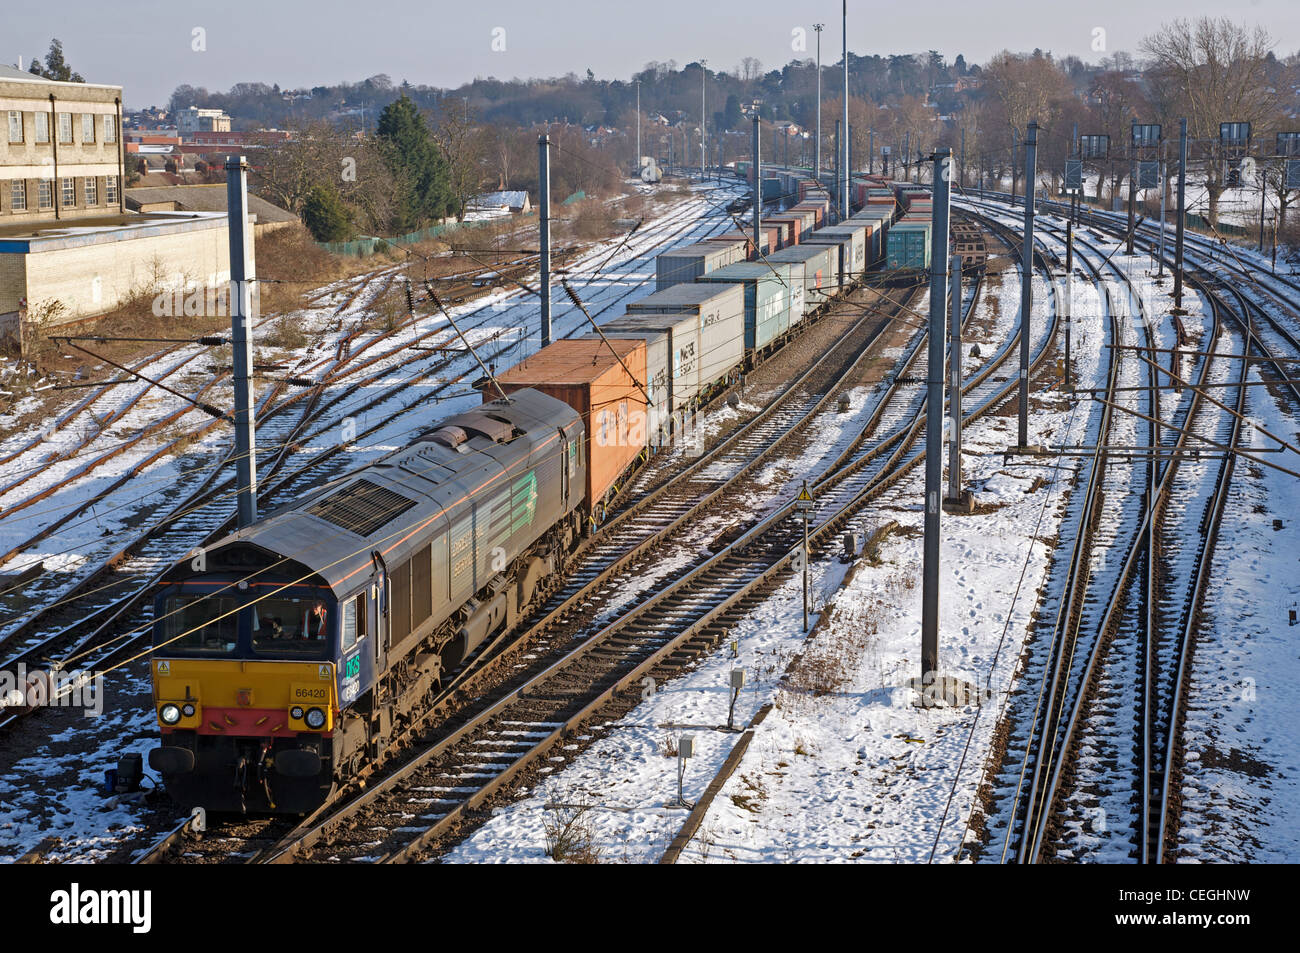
x: 56, y: 67
x: 417, y: 164
x: 325, y: 215
x: 731, y: 113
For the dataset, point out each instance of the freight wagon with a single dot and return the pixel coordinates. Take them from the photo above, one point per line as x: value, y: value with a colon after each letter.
x: 767, y: 296
x: 908, y: 246
x: 605, y: 384
x: 721, y: 312
x: 680, y: 332
x: 853, y: 236
x: 820, y: 270
x: 690, y: 261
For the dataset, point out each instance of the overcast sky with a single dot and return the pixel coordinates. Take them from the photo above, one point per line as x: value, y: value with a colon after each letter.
x: 149, y: 46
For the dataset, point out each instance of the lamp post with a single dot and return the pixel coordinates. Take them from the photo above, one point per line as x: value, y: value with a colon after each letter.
x: 704, y: 72
x: 817, y: 171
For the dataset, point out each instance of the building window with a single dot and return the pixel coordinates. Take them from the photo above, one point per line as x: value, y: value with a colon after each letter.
x: 69, y: 191
x: 65, y: 127
x: 19, y: 192
x: 110, y: 189
x: 87, y: 127
x: 15, y: 126
x: 45, y: 193
x: 110, y: 129
x: 92, y: 190
x: 42, y: 126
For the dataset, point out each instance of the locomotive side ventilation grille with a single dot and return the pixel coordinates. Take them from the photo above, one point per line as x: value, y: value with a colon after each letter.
x: 361, y: 507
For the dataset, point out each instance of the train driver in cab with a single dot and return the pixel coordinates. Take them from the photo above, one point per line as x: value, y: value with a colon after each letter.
x: 314, y: 626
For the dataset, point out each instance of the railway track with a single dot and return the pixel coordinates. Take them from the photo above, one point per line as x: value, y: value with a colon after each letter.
x: 95, y: 609
x: 1133, y: 627
x: 483, y: 752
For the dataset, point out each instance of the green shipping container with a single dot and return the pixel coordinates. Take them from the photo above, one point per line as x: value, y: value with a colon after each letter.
x: 908, y: 245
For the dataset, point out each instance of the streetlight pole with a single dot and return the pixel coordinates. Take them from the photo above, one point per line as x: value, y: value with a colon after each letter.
x: 844, y: 158
x: 817, y: 174
x: 637, y: 161
x: 704, y: 72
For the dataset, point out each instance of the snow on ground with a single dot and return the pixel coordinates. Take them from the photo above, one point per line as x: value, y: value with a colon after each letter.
x: 1241, y: 781
x: 31, y: 806
x: 846, y: 766
x: 55, y: 791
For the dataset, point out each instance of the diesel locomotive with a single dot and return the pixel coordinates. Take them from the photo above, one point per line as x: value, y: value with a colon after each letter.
x: 287, y: 656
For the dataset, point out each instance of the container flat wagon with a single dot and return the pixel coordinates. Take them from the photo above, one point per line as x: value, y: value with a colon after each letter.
x: 687, y: 263
x: 603, y: 383
x: 657, y: 371
x: 908, y: 246
x: 852, y: 266
x: 681, y: 332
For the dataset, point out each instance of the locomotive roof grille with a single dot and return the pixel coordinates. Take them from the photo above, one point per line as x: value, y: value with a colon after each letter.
x: 361, y: 507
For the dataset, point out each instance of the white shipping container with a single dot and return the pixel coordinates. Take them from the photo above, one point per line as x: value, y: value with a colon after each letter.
x: 721, y: 310
x: 682, y: 330
x: 820, y: 265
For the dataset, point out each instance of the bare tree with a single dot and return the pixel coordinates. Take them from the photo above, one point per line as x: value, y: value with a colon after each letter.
x: 1025, y: 88
x: 1117, y: 101
x: 321, y: 154
x: 1212, y: 70
x: 464, y: 143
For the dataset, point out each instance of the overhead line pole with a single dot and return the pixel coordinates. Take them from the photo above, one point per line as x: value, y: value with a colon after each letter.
x: 544, y: 227
x: 758, y: 185
x: 844, y: 184
x: 704, y: 72
x: 1027, y: 280
x: 934, y: 412
x: 241, y: 339
x: 1182, y: 216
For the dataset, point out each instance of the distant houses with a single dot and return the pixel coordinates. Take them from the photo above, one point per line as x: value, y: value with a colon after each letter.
x: 511, y: 201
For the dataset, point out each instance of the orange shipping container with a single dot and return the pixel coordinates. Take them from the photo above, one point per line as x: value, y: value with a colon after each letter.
x: 590, y: 377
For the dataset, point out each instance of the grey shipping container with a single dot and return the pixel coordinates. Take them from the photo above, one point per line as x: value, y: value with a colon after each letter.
x: 857, y: 231
x: 766, y: 301
x: 690, y: 261
x: 682, y: 330
x: 658, y: 356
x: 843, y: 245
x: 820, y: 270
x: 721, y: 310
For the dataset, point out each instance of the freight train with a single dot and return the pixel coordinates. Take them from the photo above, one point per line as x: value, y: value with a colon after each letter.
x: 288, y: 656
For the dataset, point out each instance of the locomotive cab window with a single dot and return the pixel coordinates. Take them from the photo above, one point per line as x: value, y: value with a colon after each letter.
x: 199, y: 622
x: 353, y: 622
x: 291, y: 624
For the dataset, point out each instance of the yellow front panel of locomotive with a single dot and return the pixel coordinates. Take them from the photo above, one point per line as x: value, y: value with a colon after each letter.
x: 236, y: 683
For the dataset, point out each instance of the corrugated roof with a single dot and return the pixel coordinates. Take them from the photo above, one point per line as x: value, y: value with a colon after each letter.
x: 570, y: 361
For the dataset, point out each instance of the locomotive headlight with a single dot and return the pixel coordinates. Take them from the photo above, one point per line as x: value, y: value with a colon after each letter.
x: 169, y: 714
x: 315, y: 718
x: 187, y: 710
x: 295, y: 712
